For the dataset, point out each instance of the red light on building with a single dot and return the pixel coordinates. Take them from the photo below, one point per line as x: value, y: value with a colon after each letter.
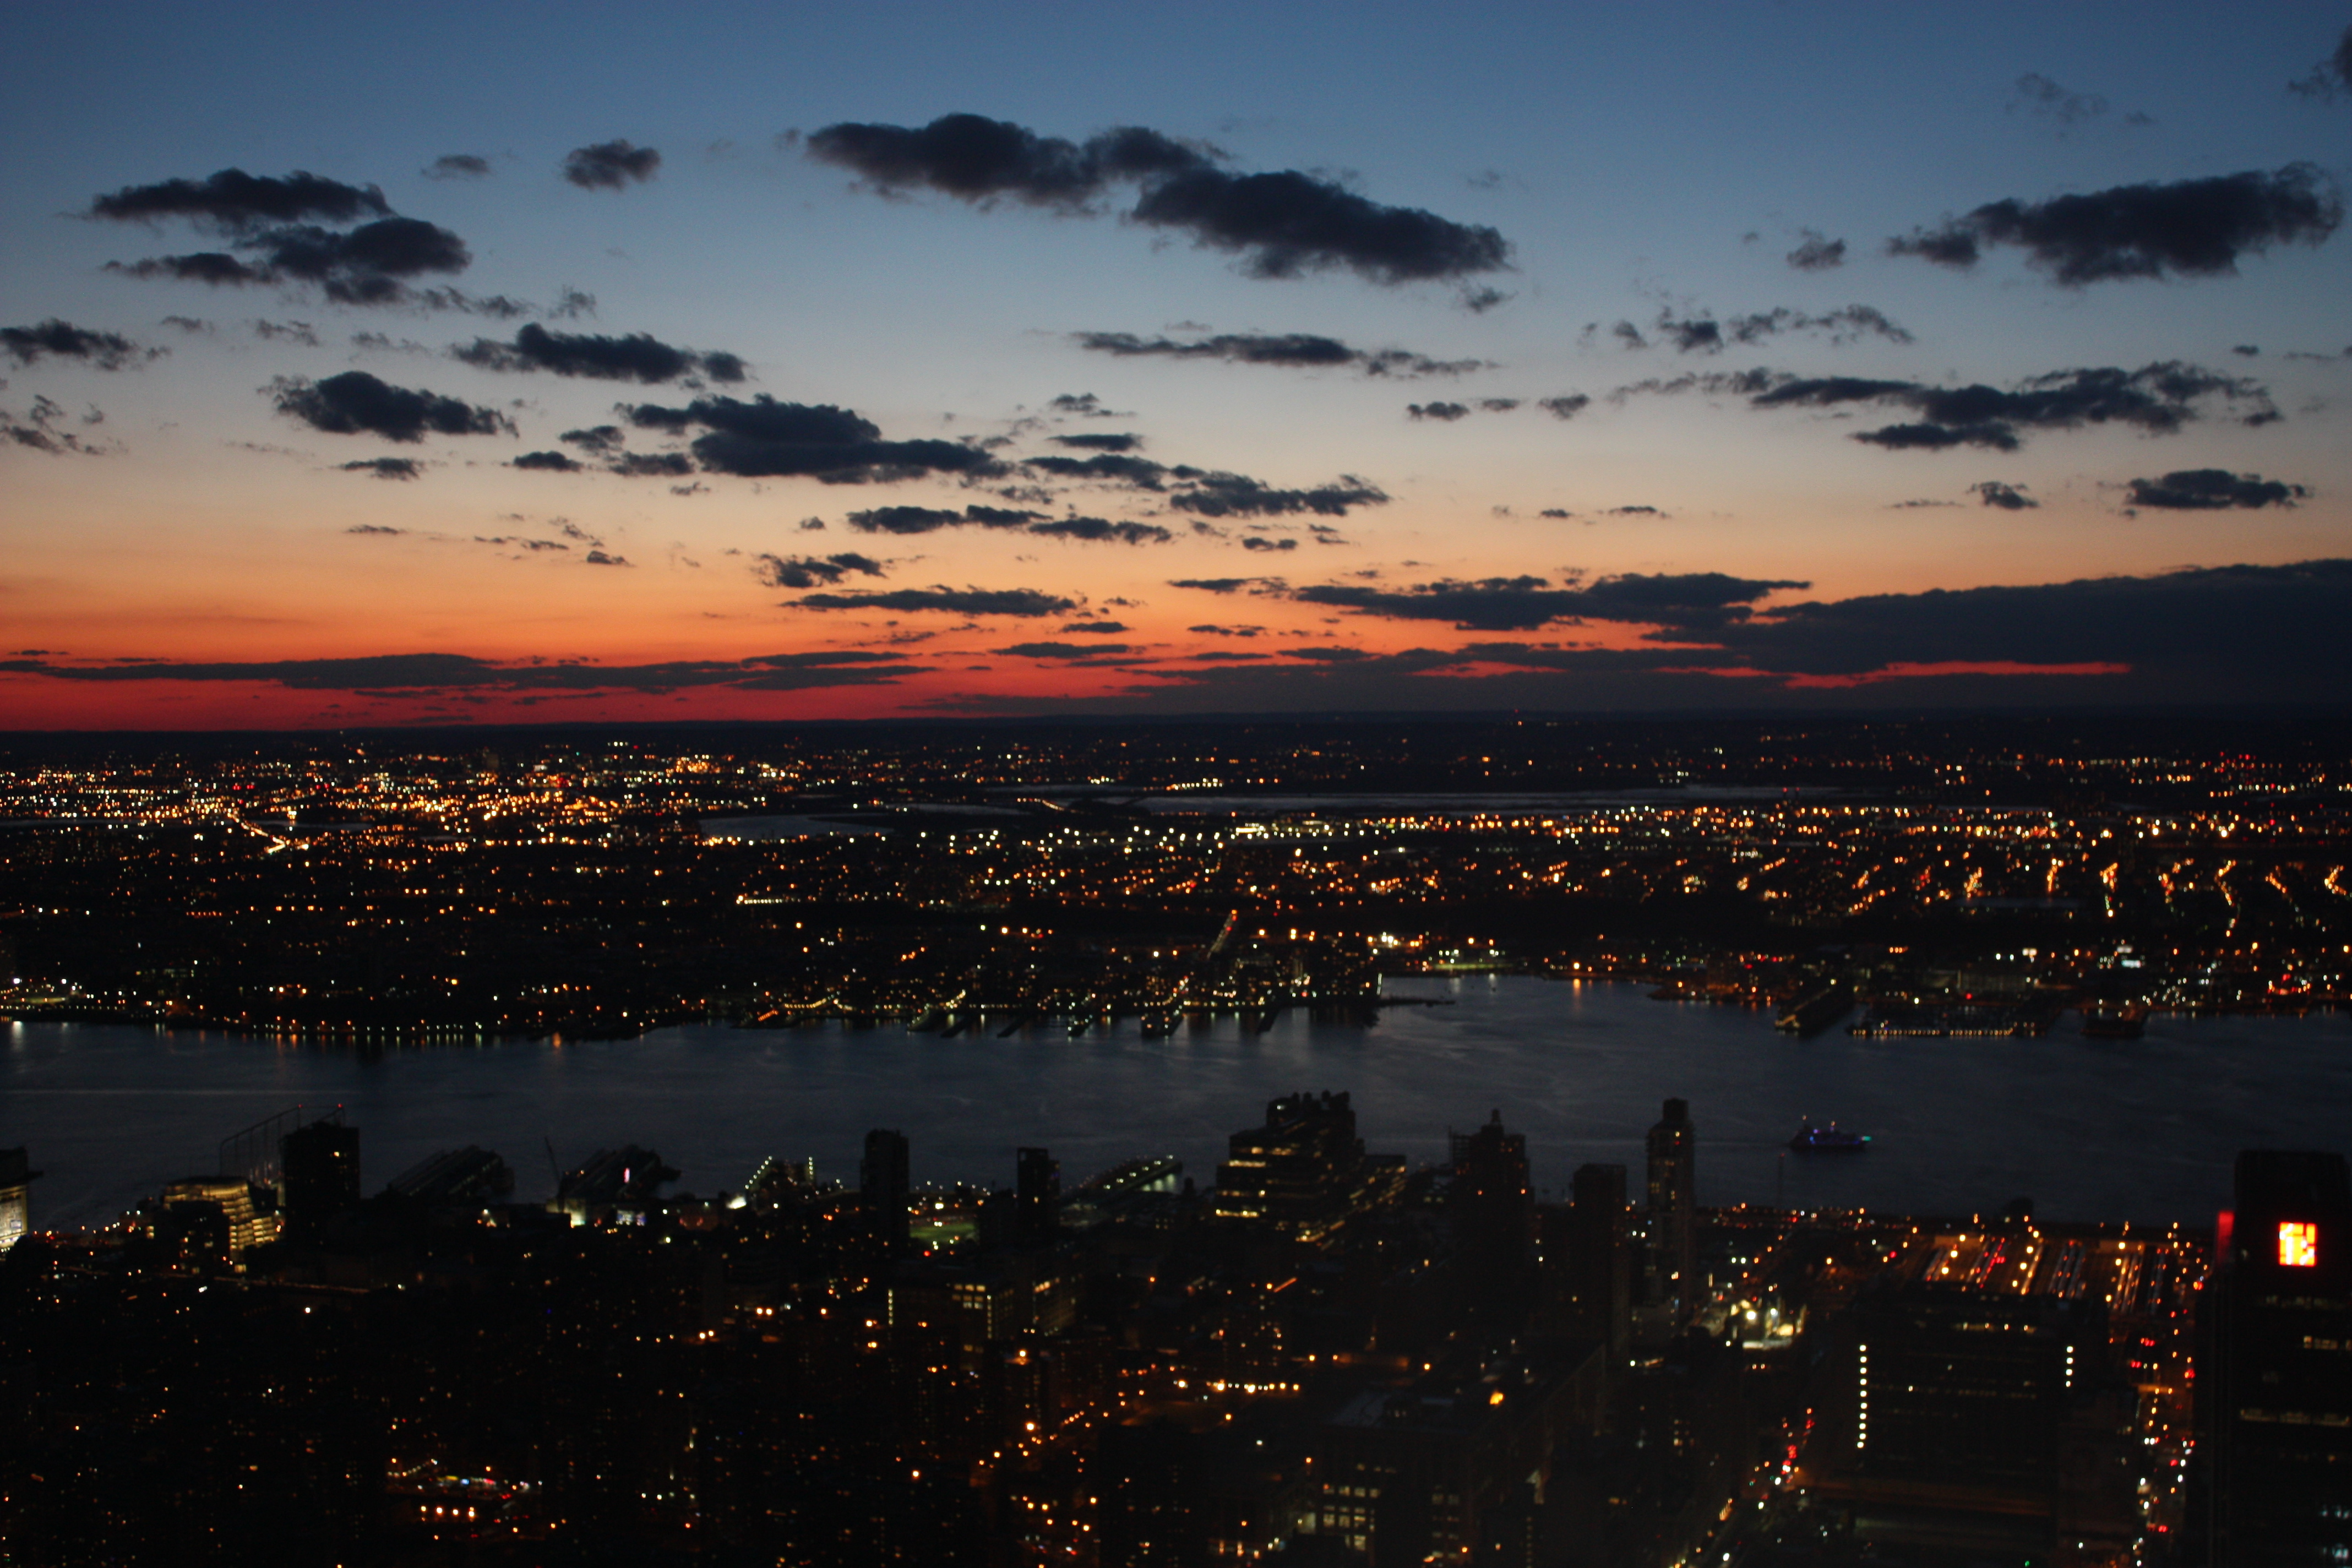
x: 2298, y: 1244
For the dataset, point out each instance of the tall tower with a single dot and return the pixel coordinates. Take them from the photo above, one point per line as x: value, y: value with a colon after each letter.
x: 318, y: 1171
x: 883, y: 1185
x: 1600, y: 1264
x: 1673, y: 1239
x: 2281, y: 1451
x: 1037, y: 1198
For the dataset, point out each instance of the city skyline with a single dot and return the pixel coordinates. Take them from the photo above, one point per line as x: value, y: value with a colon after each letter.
x: 807, y: 364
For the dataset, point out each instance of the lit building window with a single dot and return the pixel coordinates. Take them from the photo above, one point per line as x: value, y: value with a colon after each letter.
x: 2298, y: 1244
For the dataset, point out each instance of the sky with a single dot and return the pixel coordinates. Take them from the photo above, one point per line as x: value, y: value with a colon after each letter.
x: 586, y: 364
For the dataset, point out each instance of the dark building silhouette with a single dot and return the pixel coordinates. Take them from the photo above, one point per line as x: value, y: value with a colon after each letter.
x: 1594, y: 1274
x: 1037, y: 1198
x: 1672, y: 1276
x: 1492, y: 1200
x: 883, y: 1182
x: 1302, y: 1171
x: 2280, y: 1422
x: 319, y: 1175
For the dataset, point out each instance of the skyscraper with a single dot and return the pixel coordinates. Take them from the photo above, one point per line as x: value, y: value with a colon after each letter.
x: 318, y: 1172
x: 1673, y: 1241
x: 16, y: 1197
x: 883, y: 1184
x: 1598, y: 1272
x: 2280, y: 1427
x: 1038, y: 1198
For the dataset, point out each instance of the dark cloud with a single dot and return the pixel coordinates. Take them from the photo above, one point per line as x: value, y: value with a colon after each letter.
x: 356, y: 403
x: 1256, y: 585
x: 635, y: 357
x: 1096, y: 530
x: 551, y: 462
x: 1110, y: 468
x: 651, y: 465
x: 384, y: 467
x: 907, y: 520
x: 1066, y: 650
x: 765, y: 438
x: 2158, y: 399
x: 1224, y: 655
x: 1817, y: 252
x: 1021, y: 602
x: 1442, y: 411
x: 287, y: 331
x: 2266, y: 632
x: 1629, y: 336
x: 1288, y: 224
x: 599, y: 558
x: 1498, y: 404
x: 428, y: 671
x: 2331, y: 76
x: 597, y: 439
x: 232, y: 199
x: 1564, y: 407
x: 2211, y: 490
x: 812, y: 571
x: 2038, y: 94
x: 44, y: 428
x: 1634, y: 510
x: 1705, y: 334
x: 2259, y: 635
x: 2008, y: 497
x: 1259, y: 542
x: 188, y: 323
x: 1085, y: 404
x: 1236, y: 495
x: 609, y: 165
x: 1684, y: 601
x: 365, y: 266
x: 1327, y: 654
x: 2196, y: 228
x: 1281, y: 225
x: 1295, y: 350
x: 1103, y: 443
x: 1097, y: 628
x: 457, y: 166
x: 374, y: 527
x: 63, y: 339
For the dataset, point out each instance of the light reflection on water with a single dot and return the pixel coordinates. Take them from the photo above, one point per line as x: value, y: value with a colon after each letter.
x: 2140, y: 1130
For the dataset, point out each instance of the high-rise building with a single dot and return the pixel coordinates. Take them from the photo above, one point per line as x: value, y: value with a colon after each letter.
x: 2280, y: 1424
x: 1494, y: 1211
x: 213, y: 1220
x: 15, y: 1196
x: 883, y: 1182
x: 1595, y: 1278
x: 1673, y: 1237
x: 318, y: 1175
x: 1302, y: 1171
x: 1037, y: 1198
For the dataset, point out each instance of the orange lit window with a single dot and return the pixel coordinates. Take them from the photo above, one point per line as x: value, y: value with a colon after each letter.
x: 2298, y: 1244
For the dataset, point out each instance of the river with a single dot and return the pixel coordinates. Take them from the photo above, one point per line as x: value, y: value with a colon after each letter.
x: 2142, y: 1129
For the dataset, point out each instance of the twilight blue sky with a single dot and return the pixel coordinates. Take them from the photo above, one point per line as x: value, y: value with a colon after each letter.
x: 220, y: 534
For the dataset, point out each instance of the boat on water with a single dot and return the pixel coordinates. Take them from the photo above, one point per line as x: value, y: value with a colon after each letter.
x: 1813, y: 1138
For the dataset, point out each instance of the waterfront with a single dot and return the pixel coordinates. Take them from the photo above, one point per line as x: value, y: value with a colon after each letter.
x: 2141, y: 1130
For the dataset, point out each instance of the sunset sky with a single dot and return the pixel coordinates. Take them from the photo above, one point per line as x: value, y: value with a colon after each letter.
x: 533, y: 363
